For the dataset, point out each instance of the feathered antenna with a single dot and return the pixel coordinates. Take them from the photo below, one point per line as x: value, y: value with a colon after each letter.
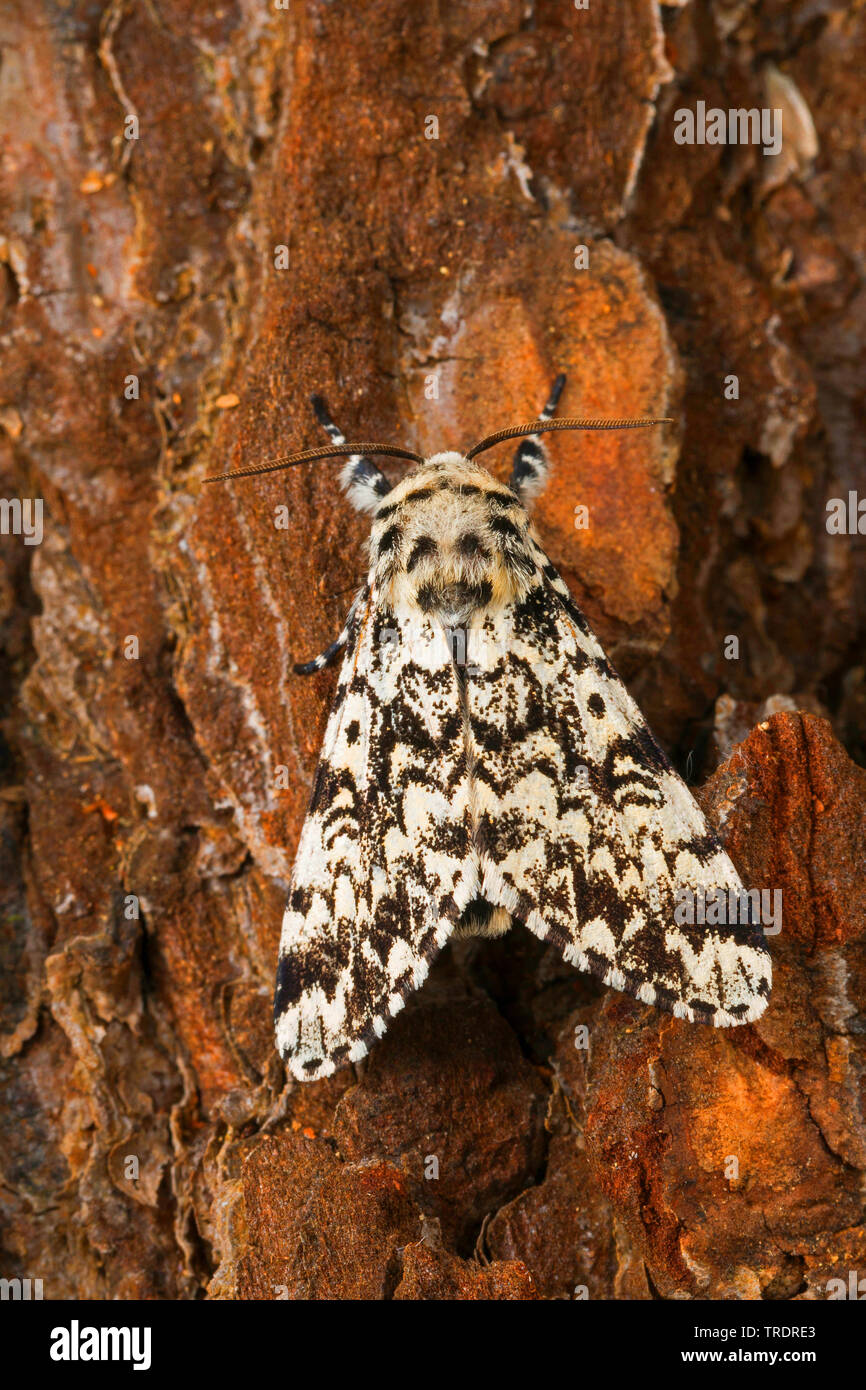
x: 545, y: 426
x: 540, y: 426
x: 308, y: 455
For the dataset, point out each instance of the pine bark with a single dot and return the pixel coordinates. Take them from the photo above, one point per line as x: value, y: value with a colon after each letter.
x: 208, y: 213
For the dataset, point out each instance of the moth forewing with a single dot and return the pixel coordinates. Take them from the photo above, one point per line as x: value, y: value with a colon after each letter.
x: 384, y: 867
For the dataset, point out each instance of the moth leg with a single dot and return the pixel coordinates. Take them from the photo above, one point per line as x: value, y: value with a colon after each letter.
x: 360, y: 479
x: 531, y: 463
x: 318, y: 663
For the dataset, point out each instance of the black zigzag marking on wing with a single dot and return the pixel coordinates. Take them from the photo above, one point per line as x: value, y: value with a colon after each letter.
x: 384, y: 867
x: 586, y: 833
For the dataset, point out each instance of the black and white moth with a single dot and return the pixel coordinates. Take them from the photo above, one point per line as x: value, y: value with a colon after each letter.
x: 483, y: 765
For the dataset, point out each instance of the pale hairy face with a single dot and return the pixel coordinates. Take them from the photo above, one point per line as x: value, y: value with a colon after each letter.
x: 449, y: 539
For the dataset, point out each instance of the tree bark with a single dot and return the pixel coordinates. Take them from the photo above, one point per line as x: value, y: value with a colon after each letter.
x: 210, y: 212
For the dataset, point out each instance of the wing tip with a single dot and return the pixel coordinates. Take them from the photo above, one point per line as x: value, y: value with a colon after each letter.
x: 308, y: 1063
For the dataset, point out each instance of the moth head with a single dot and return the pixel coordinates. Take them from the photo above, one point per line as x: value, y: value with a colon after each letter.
x: 448, y: 538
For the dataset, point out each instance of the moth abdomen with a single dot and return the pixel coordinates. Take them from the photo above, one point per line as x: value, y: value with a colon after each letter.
x: 481, y: 918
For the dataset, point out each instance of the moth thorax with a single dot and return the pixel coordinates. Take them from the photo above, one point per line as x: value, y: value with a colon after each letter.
x: 450, y: 543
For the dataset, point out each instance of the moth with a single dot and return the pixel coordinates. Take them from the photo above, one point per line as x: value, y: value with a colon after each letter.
x: 483, y: 765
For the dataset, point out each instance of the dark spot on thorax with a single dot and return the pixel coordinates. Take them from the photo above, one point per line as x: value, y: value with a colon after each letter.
x: 502, y: 526
x: 390, y: 539
x: 481, y: 593
x: 501, y: 498
x: 422, y: 493
x: 424, y: 546
x: 471, y: 546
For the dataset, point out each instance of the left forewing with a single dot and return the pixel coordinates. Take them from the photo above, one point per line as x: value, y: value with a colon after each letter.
x: 383, y: 868
x: 585, y: 832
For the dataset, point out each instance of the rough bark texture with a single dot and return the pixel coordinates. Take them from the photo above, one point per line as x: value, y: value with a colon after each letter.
x: 177, y: 778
